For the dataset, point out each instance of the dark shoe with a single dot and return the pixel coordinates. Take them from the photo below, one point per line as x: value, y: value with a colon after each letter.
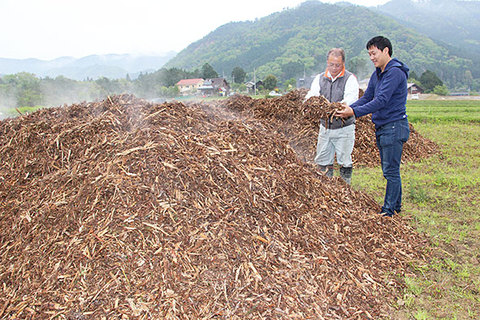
x: 346, y: 174
x: 328, y: 169
x: 386, y: 214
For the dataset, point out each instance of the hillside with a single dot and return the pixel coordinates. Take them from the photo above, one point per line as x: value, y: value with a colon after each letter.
x: 295, y: 41
x: 454, y: 22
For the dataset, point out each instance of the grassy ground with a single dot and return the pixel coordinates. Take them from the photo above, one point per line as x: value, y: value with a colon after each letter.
x: 444, y: 111
x: 441, y: 196
x: 14, y: 112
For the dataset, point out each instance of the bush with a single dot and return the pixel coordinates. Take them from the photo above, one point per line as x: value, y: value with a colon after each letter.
x: 440, y: 90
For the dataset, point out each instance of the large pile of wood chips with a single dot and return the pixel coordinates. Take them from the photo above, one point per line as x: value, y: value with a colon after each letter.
x: 298, y: 121
x: 123, y: 209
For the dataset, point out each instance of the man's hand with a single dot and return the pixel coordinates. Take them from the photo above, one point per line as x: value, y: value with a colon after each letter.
x: 345, y: 113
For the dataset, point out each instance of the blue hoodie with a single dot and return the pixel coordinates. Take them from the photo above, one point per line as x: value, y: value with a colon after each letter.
x: 386, y: 94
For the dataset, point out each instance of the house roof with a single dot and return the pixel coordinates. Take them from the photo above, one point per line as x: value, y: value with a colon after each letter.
x: 216, y: 82
x: 411, y: 84
x: 189, y: 82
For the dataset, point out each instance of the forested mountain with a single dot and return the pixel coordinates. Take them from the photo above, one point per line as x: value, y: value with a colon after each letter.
x: 454, y: 22
x: 295, y: 41
x: 113, y: 66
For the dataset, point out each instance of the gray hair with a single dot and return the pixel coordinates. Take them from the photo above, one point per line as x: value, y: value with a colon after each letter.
x: 337, y: 52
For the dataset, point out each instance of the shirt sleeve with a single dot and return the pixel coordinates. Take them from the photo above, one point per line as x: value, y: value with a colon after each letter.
x: 314, y: 88
x: 351, y: 90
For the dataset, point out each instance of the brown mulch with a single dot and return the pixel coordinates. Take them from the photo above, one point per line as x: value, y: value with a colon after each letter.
x: 298, y: 121
x: 123, y: 209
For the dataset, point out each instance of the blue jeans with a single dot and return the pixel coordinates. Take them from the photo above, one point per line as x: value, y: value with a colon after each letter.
x: 390, y: 139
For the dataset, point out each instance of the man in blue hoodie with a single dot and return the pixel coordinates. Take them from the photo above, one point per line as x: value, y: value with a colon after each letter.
x: 385, y: 98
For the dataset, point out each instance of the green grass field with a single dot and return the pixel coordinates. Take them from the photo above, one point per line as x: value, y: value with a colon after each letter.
x: 441, y: 196
x: 443, y: 111
x: 14, y: 112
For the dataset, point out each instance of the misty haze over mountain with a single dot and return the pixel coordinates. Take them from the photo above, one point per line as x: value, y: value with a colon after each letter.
x: 113, y: 66
x: 292, y: 44
x: 456, y: 23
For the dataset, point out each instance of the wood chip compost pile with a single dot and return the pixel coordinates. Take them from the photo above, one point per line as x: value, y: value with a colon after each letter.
x: 122, y: 209
x: 299, y: 121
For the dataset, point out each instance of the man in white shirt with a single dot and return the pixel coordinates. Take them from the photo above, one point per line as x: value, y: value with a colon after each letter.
x: 336, y: 136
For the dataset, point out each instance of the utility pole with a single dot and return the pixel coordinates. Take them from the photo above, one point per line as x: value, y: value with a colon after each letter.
x: 254, y: 83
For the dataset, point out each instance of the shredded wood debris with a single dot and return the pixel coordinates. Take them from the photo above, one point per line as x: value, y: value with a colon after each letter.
x: 299, y: 120
x: 124, y: 209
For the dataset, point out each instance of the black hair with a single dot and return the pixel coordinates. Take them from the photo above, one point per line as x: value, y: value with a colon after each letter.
x: 381, y: 43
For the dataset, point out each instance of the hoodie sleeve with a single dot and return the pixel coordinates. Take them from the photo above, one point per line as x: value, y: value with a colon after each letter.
x: 391, y: 80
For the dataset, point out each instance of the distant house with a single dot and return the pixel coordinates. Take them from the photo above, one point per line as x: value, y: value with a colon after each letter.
x: 215, y: 86
x: 414, y: 88
x: 305, y: 82
x: 251, y: 86
x: 189, y: 86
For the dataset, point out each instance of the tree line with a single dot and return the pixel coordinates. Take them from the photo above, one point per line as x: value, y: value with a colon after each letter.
x: 28, y: 90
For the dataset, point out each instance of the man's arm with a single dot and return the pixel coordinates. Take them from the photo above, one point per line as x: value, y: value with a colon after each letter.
x: 314, y: 88
x: 367, y: 97
x: 350, y: 94
x: 390, y: 82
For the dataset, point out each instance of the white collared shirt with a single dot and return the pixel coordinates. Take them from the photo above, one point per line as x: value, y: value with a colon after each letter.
x: 350, y: 94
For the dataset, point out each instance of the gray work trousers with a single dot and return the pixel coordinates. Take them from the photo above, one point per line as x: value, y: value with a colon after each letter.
x: 335, y: 141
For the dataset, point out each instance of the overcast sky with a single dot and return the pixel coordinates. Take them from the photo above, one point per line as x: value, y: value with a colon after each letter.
x: 48, y: 29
